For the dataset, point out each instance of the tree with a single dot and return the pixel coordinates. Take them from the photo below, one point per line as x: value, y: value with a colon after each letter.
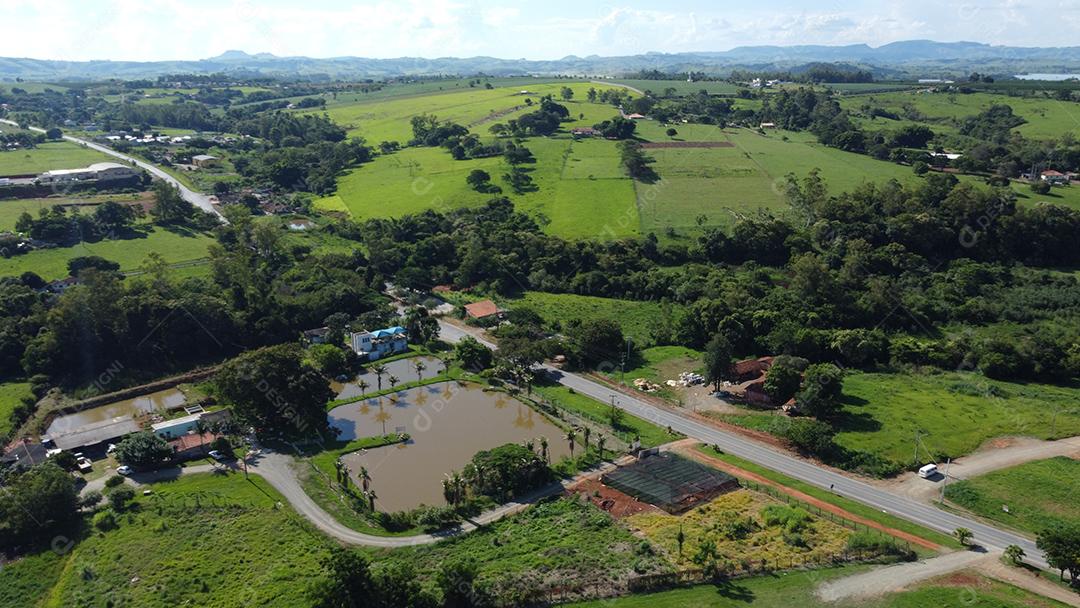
x: 587, y: 434
x: 671, y: 132
x: 54, y: 134
x: 596, y: 340
x: 822, y: 388
x: 479, y: 180
x: 920, y: 168
x: 120, y: 497
x: 274, y: 390
x: 143, y: 450
x: 36, y: 503
x: 571, y: 437
x: 1061, y: 544
x: 169, y: 206
x: 1014, y: 554
x: 112, y: 217
x: 717, y: 360
x: 328, y: 359
x: 566, y: 93
x: 473, y: 355
x: 349, y: 584
x: 419, y: 367
x: 459, y: 586
x: 601, y: 442
x: 422, y: 327
x: 1040, y: 187
x: 379, y: 370
x: 963, y: 535
x: 783, y: 379
x: 78, y: 264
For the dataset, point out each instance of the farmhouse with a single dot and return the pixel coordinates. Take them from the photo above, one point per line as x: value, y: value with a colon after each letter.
x: 767, y: 125
x: 315, y: 336
x: 635, y: 116
x: 191, y: 446
x: 483, y: 310
x: 100, y: 172
x: 1054, y: 178
x: 204, y: 161
x: 374, y: 345
x: 179, y: 427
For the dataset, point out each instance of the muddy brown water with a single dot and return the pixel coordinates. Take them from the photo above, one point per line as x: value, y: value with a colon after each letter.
x: 160, y: 401
x: 448, y: 424
x: 403, y: 369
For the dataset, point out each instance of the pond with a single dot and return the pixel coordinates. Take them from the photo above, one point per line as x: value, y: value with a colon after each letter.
x: 448, y: 424
x: 160, y: 401
x: 403, y: 369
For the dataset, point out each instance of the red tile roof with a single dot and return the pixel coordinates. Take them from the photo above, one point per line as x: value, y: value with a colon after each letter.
x: 481, y: 309
x: 187, y: 442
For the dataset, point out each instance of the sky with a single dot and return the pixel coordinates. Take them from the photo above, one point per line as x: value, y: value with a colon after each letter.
x: 151, y: 30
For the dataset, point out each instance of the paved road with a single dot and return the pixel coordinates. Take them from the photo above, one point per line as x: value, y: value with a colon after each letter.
x: 198, y: 199
x: 808, y: 472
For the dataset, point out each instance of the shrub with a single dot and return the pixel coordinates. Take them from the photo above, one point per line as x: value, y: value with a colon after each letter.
x: 793, y: 519
x: 119, y: 498
x: 869, y: 542
x: 91, y: 499
x: 104, y: 521
x: 114, y: 481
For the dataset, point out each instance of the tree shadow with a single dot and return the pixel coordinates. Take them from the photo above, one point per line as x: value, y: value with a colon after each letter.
x: 856, y: 422
x: 735, y: 592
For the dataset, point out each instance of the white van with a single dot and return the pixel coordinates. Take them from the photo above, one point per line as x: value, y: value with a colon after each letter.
x: 928, y: 471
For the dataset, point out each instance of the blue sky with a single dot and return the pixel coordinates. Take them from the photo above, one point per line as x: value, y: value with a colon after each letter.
x: 195, y: 29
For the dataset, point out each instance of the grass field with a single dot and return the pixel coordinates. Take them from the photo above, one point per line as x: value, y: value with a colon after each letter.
x: 11, y: 209
x: 797, y: 589
x: 1046, y: 118
x: 202, y: 540
x: 1039, y: 494
x: 559, y: 542
x: 635, y: 318
x: 129, y: 253
x: 954, y: 412
x: 681, y: 87
x: 581, y: 192
x: 48, y: 156
x: 476, y: 108
x: 11, y: 395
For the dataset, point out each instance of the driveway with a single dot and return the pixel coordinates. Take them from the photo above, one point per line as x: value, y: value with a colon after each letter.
x: 890, y: 579
x: 997, y: 454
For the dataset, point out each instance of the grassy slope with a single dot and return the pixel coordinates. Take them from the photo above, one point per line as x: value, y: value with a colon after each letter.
x: 581, y: 189
x: 591, y: 409
x: 203, y: 540
x: 635, y: 318
x: 562, y: 542
x: 129, y: 253
x: 883, y: 411
x: 11, y: 394
x: 11, y: 209
x: 1039, y: 494
x: 796, y: 589
x: 48, y: 156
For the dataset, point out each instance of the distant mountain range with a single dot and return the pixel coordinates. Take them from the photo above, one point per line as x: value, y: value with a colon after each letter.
x: 913, y: 58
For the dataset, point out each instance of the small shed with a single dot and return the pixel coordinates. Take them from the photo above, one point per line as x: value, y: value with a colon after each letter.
x: 205, y: 161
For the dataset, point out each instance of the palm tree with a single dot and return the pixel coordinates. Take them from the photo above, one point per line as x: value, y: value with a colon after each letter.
x: 571, y: 436
x: 963, y: 535
x: 363, y: 385
x: 379, y: 370
x: 588, y: 433
x: 544, y: 448
x: 339, y: 467
x: 445, y: 364
x: 420, y: 367
x: 365, y: 478
x: 393, y: 381
x: 600, y: 442
x: 201, y: 427
x: 371, y: 499
x: 530, y: 445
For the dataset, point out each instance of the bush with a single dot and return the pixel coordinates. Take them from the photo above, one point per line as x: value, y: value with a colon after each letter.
x: 397, y: 521
x: 120, y: 497
x: 105, y: 521
x: 91, y: 499
x: 870, y: 542
x: 114, y: 481
x: 793, y: 519
x: 436, y: 518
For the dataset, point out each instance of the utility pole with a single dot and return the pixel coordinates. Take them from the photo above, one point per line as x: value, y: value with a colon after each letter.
x: 915, y: 460
x: 945, y: 482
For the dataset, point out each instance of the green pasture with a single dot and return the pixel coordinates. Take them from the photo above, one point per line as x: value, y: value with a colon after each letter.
x: 556, y: 309
x: 11, y: 395
x: 49, y: 156
x: 1039, y: 494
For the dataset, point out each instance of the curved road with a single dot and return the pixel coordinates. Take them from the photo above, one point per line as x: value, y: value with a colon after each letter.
x: 198, y: 199
x: 808, y: 472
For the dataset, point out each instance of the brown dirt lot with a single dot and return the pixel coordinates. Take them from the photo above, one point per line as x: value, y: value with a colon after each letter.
x: 616, y: 503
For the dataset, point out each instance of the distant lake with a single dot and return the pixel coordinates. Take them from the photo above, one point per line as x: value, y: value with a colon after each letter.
x: 1055, y: 77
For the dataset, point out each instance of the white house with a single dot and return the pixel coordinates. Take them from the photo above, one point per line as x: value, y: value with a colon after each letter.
x: 380, y: 343
x: 96, y: 172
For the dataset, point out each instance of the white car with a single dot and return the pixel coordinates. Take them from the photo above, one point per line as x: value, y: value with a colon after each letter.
x: 218, y: 456
x: 123, y: 470
x: 928, y: 471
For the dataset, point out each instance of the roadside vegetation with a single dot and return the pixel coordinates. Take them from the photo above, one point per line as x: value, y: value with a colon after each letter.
x: 1038, y: 495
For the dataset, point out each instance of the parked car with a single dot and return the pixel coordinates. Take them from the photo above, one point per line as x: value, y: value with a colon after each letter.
x: 928, y: 471
x: 123, y: 470
x: 218, y: 456
x: 83, y: 463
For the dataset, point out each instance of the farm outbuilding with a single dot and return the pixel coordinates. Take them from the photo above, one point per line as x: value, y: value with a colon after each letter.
x: 670, y: 482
